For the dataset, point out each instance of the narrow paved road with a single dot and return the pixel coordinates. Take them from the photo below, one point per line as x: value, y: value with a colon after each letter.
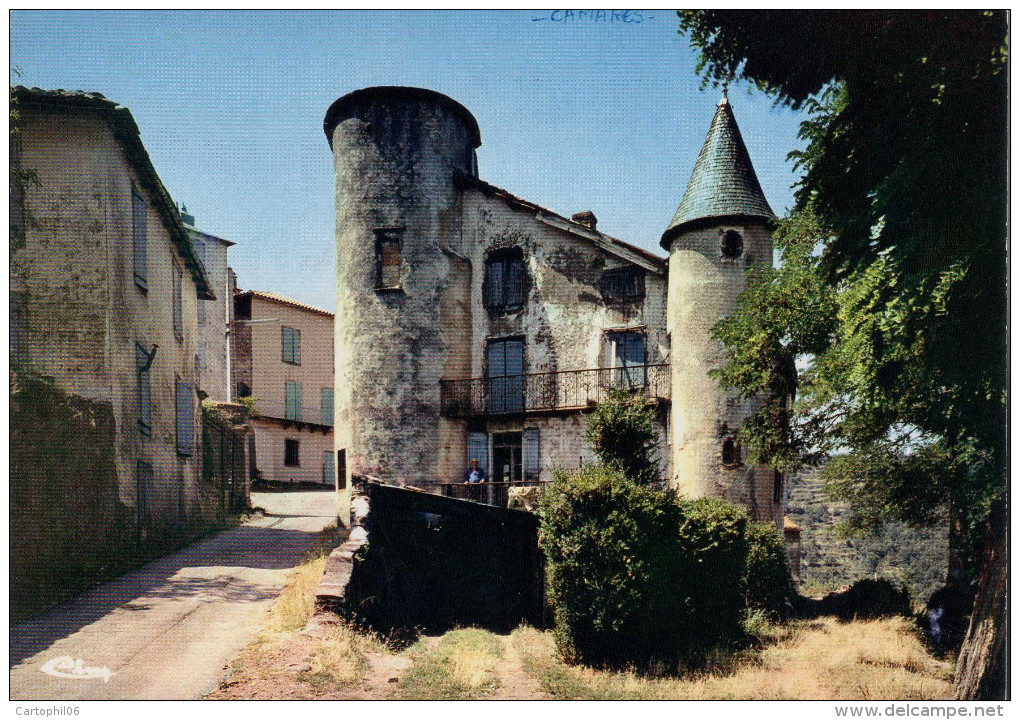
x: 168, y: 629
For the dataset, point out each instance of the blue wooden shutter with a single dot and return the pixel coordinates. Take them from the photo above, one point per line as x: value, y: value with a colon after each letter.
x: 138, y: 220
x: 144, y: 393
x: 478, y: 449
x: 292, y: 394
x: 185, y: 418
x: 328, y: 468
x: 515, y: 373
x: 515, y: 282
x: 327, y: 406
x: 530, y: 451
x: 494, y: 298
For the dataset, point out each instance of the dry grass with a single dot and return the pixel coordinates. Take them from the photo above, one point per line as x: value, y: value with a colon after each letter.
x: 812, y: 660
x: 296, y: 604
x: 462, y: 665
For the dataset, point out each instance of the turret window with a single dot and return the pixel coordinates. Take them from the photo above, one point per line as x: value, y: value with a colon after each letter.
x: 732, y: 244
x: 730, y: 452
x: 388, y: 246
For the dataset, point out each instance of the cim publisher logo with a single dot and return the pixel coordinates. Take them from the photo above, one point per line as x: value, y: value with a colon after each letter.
x: 66, y: 666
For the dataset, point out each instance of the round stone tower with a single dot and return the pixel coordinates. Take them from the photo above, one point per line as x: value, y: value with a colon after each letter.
x: 397, y: 152
x: 718, y: 232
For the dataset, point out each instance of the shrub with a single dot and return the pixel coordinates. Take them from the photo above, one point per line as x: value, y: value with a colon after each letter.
x: 638, y: 576
x: 767, y: 583
x: 621, y: 432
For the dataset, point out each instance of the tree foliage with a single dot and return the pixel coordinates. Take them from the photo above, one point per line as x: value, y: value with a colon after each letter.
x: 893, y: 276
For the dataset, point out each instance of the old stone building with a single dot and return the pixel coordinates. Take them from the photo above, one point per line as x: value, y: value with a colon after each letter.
x: 283, y: 360
x: 472, y: 323
x: 105, y: 282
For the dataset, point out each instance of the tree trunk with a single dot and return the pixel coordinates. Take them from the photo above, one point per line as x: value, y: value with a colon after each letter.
x: 981, y: 670
x: 959, y: 550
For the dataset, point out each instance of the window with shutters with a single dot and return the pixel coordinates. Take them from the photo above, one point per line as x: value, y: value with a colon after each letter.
x: 291, y: 453
x: 143, y: 363
x: 625, y: 356
x: 292, y: 399
x: 504, y: 280
x: 291, y: 345
x: 388, y: 246
x: 730, y: 452
x: 505, y: 376
x: 178, y: 279
x: 185, y: 395
x: 139, y: 240
x: 327, y: 406
x: 623, y: 284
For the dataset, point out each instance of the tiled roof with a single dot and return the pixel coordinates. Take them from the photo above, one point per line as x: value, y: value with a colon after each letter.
x: 510, y: 198
x: 789, y: 525
x: 273, y: 297
x: 124, y: 128
x: 723, y: 183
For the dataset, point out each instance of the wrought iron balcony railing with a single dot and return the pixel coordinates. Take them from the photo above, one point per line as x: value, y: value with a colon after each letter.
x: 298, y: 414
x: 548, y: 392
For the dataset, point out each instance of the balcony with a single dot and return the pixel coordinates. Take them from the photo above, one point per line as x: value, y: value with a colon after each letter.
x: 564, y: 391
x: 299, y: 417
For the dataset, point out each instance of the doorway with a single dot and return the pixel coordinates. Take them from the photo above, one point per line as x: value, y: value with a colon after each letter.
x: 506, y: 457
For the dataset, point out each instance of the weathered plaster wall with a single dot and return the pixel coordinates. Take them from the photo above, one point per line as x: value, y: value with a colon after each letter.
x: 85, y: 312
x: 270, y: 437
x: 214, y: 317
x: 703, y: 288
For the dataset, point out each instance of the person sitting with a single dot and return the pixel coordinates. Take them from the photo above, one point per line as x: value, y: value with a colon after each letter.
x: 475, y: 474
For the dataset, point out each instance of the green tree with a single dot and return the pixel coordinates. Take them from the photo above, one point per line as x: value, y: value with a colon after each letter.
x: 621, y: 432
x: 905, y: 172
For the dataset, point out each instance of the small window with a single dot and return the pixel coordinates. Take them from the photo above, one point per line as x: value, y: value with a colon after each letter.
x: 185, y: 418
x: 243, y: 390
x: 732, y: 244
x: 143, y: 363
x: 623, y: 284
x: 327, y: 406
x: 292, y: 394
x: 139, y: 240
x: 388, y: 244
x: 341, y: 469
x: 291, y: 346
x: 504, y: 280
x: 291, y: 453
x: 178, y: 302
x: 625, y: 356
x: 730, y: 452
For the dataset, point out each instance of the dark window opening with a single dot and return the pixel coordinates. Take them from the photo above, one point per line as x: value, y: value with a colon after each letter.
x: 623, y: 284
x: 777, y: 487
x: 732, y: 244
x: 504, y: 280
x: 341, y: 469
x: 243, y: 390
x: 388, y: 245
x: 292, y: 453
x: 730, y: 452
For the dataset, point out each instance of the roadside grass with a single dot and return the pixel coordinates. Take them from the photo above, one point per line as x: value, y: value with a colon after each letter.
x: 820, y: 659
x: 461, y: 666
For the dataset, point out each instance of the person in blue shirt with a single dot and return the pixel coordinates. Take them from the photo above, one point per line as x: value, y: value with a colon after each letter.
x: 475, y: 475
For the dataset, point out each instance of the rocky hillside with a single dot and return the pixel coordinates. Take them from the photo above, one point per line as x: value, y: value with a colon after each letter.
x: 830, y: 559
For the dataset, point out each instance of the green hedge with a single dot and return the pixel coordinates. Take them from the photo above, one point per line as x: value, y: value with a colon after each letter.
x: 767, y: 583
x: 638, y: 576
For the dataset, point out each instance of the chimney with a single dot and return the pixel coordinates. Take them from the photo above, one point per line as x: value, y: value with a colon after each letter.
x: 586, y: 218
x: 186, y: 218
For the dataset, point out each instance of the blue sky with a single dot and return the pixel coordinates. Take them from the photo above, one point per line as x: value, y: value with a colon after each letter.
x: 576, y: 112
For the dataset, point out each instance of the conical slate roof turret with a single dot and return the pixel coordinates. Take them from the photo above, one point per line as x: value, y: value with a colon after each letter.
x: 723, y: 184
